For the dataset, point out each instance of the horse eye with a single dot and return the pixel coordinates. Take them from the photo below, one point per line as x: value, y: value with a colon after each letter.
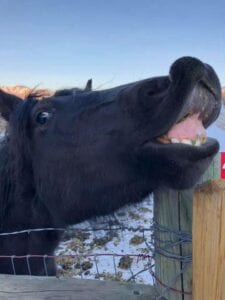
x: 43, y: 117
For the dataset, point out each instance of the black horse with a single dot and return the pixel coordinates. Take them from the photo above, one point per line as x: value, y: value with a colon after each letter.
x: 81, y: 154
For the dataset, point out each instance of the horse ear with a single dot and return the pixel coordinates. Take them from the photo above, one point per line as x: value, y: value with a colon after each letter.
x: 8, y: 103
x: 88, y: 87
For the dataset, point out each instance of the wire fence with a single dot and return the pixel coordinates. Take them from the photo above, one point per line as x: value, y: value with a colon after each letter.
x: 134, y: 264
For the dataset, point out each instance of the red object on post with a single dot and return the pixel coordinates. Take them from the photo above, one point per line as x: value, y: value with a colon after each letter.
x: 222, y: 166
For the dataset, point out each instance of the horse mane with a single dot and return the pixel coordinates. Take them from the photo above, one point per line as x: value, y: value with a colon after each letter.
x: 16, y: 171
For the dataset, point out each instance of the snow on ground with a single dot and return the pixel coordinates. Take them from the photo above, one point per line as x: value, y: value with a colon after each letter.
x: 83, y: 239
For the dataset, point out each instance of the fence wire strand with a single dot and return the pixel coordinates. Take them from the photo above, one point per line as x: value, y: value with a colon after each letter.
x: 155, y: 245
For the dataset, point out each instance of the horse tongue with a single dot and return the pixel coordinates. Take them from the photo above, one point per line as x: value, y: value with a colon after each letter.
x: 189, y: 128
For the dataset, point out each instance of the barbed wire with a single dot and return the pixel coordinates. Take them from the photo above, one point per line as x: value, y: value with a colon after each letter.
x: 31, y: 230
x: 139, y: 256
x: 133, y: 229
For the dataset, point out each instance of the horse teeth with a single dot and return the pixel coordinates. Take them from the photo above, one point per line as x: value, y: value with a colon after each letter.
x: 163, y: 139
x: 186, y: 141
x: 204, y: 139
x: 198, y: 142
x: 174, y: 141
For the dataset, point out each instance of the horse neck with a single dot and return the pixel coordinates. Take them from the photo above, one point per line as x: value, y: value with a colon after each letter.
x: 20, y: 207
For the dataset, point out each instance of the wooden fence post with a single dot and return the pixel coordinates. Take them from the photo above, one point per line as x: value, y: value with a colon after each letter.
x: 173, y: 210
x: 209, y: 241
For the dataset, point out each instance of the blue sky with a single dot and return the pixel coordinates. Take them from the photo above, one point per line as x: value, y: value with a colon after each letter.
x: 58, y: 43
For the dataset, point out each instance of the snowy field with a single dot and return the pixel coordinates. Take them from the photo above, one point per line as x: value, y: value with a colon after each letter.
x: 125, y: 237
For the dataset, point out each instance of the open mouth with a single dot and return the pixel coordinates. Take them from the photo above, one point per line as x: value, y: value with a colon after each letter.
x: 199, y: 112
x: 189, y: 130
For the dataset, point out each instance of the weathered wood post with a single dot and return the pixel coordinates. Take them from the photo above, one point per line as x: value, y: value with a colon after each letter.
x: 209, y: 241
x: 172, y: 233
